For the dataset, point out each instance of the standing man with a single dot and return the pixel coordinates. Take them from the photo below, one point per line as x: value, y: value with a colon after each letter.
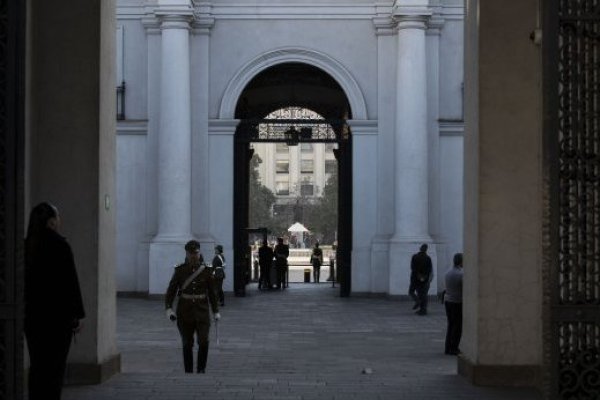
x: 421, y: 267
x: 194, y: 284
x: 218, y: 265
x: 265, y: 259
x: 316, y: 259
x: 453, y: 304
x: 282, y: 252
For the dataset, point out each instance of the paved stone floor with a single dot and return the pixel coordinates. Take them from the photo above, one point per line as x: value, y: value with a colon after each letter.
x: 300, y: 344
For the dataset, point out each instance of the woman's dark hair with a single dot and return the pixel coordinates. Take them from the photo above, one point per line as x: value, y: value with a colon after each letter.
x: 38, y: 219
x: 38, y: 222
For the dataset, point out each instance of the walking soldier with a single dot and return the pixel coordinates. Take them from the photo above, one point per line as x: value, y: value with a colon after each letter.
x: 193, y: 283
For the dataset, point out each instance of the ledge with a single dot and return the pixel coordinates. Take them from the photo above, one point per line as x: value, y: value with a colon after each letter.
x: 92, y: 374
x: 499, y: 375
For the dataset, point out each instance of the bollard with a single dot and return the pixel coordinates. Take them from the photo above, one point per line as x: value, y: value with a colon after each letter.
x: 306, y: 275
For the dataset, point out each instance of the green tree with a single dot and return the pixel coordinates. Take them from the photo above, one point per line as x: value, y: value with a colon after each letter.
x: 261, y: 198
x: 324, y: 213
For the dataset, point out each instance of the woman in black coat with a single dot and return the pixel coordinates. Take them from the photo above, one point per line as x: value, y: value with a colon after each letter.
x: 53, y: 303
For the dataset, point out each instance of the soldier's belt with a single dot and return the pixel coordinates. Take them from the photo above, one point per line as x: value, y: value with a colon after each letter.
x: 193, y: 296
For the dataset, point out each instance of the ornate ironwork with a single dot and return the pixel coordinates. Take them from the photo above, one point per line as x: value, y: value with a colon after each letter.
x: 572, y: 122
x: 293, y: 131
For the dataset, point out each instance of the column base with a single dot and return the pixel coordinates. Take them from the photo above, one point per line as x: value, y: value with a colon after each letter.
x: 92, y: 374
x: 164, y: 255
x: 401, y: 252
x: 499, y: 375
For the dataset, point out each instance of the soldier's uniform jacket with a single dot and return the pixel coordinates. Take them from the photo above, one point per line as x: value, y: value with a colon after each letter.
x: 195, y: 299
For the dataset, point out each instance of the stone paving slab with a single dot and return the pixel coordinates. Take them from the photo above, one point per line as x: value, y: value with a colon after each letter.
x: 302, y: 343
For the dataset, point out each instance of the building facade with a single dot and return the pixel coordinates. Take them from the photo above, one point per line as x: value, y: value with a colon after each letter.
x: 186, y: 65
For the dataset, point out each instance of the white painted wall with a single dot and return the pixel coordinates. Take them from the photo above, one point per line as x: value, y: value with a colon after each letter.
x: 343, y: 34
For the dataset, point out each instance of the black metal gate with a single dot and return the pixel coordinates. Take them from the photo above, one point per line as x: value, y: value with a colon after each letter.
x: 571, y: 62
x: 12, y: 28
x: 293, y: 132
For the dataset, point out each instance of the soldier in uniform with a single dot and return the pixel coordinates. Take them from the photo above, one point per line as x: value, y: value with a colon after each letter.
x: 218, y: 265
x: 194, y: 284
x: 316, y: 259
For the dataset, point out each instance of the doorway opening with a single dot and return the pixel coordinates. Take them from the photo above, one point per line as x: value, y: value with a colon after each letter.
x: 293, y: 173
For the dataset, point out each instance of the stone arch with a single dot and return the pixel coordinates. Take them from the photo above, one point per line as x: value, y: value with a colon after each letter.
x: 300, y: 55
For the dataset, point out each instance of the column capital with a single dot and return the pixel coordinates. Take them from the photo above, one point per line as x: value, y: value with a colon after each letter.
x: 384, y: 25
x: 415, y: 17
x: 203, y: 19
x: 175, y: 21
x: 435, y: 25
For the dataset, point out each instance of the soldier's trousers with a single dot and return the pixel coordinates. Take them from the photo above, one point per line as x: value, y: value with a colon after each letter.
x: 188, y: 329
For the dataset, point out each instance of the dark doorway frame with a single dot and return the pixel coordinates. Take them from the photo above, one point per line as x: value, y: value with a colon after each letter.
x: 246, y: 133
x: 12, y: 151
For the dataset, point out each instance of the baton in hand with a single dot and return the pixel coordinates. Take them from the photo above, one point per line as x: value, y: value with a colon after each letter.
x: 217, y: 330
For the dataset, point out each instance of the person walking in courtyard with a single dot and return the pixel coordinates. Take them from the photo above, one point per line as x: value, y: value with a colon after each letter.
x: 281, y: 252
x: 265, y: 260
x: 194, y: 284
x: 316, y: 259
x: 422, y: 268
x: 453, y: 304
x: 53, y: 302
x: 218, y: 265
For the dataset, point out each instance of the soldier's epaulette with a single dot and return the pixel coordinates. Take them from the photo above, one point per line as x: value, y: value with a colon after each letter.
x: 179, y: 265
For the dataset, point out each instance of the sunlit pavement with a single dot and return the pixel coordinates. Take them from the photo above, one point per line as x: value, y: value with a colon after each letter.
x: 301, y: 343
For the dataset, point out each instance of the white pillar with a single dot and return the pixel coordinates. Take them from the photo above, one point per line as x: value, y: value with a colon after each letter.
x: 174, y: 152
x: 411, y: 169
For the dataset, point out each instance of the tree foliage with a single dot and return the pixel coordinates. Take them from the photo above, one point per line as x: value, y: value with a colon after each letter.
x: 261, y: 198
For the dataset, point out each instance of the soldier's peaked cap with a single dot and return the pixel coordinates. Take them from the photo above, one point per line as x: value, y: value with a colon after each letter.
x: 192, y: 246
x: 219, y: 248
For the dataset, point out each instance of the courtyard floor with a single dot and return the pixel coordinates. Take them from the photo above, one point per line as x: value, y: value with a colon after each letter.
x: 303, y: 343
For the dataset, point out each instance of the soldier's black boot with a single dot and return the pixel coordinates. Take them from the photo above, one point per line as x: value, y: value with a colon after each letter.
x: 202, y: 357
x: 188, y: 360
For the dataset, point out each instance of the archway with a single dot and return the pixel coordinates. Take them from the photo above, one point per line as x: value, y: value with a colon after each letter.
x: 292, y: 85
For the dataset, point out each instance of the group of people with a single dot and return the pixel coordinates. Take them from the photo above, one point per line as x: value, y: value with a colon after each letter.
x: 277, y: 258
x: 421, y: 275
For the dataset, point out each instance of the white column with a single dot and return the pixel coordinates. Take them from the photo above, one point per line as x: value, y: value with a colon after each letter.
x: 174, y: 152
x: 411, y: 169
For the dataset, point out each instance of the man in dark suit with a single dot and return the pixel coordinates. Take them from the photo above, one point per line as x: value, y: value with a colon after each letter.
x: 282, y: 252
x: 422, y: 273
x: 265, y: 260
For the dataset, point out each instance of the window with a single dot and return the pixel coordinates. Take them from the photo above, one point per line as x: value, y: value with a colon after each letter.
x: 306, y: 147
x: 330, y: 166
x: 281, y: 148
x: 282, y: 166
x: 282, y: 188
x: 307, y: 189
x: 306, y: 166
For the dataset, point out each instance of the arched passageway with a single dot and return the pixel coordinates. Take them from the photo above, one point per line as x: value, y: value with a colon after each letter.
x: 292, y: 85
